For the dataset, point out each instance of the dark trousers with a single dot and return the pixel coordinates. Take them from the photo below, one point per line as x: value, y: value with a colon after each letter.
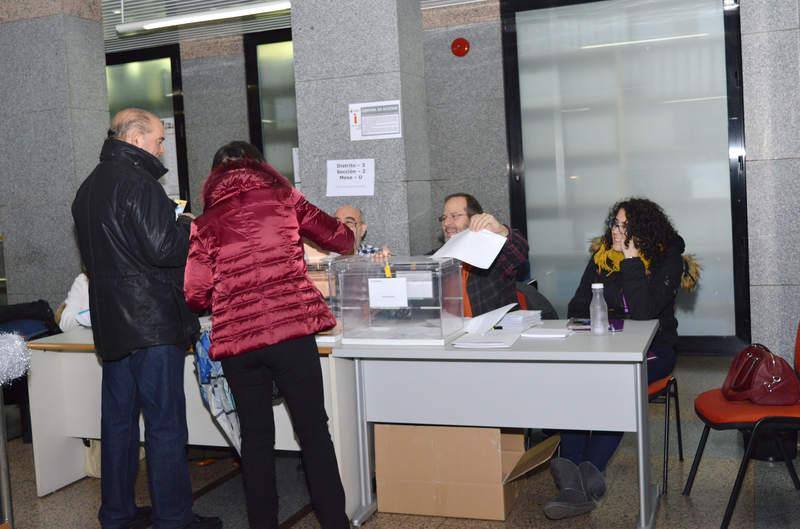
x: 598, y: 447
x: 149, y: 380
x: 294, y: 365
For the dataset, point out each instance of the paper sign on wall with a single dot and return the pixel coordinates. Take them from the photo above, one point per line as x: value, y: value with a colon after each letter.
x: 385, y: 293
x: 351, y: 178
x: 170, y: 160
x: 296, y: 167
x: 378, y: 120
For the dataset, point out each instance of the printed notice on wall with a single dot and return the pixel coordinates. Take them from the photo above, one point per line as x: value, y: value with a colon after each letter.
x: 378, y: 120
x: 351, y: 178
x: 170, y: 160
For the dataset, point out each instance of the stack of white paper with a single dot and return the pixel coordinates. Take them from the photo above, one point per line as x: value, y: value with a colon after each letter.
x: 543, y: 332
x: 482, y: 335
x: 521, y: 319
x: 490, y: 340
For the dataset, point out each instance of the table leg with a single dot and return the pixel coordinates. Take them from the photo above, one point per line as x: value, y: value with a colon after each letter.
x: 58, y: 458
x: 5, y: 479
x: 648, y: 493
x: 368, y: 504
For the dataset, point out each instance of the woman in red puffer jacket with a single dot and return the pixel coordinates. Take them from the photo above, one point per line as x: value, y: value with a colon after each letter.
x: 246, y: 265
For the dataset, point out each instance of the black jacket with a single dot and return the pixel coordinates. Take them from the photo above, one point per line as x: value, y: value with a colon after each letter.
x: 648, y: 296
x: 134, y: 252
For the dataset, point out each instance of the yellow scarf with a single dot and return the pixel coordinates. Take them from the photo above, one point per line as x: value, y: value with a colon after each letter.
x: 608, y: 260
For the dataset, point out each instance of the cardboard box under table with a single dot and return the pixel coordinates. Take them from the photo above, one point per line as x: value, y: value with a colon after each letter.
x: 458, y: 472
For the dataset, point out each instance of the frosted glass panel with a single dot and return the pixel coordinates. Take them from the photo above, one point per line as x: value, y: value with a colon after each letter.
x: 141, y: 84
x: 278, y: 109
x: 622, y: 98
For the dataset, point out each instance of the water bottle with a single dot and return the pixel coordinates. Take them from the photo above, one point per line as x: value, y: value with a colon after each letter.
x: 598, y: 310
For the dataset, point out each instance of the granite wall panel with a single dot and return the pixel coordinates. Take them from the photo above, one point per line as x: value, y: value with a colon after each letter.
x: 345, y: 38
x: 772, y: 189
x: 466, y: 115
x: 771, y: 70
x: 771, y: 74
x: 53, y: 119
x: 768, y: 15
x: 215, y: 106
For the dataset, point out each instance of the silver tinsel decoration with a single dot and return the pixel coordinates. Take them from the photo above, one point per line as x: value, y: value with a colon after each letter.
x: 15, y: 357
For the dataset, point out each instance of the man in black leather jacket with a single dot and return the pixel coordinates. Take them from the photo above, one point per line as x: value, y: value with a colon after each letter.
x: 134, y: 251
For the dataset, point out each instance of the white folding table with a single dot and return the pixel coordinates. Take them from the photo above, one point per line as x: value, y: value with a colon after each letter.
x: 582, y: 382
x: 64, y: 390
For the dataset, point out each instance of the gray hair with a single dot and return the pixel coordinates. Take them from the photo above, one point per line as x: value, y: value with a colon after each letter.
x: 130, y: 121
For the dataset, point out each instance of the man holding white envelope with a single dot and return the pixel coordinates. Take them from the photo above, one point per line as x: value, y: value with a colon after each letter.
x: 492, y: 287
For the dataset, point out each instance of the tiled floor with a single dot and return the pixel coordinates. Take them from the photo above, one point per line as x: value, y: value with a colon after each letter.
x: 767, y: 501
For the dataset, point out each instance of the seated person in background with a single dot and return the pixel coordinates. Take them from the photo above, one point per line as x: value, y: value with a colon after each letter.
x: 353, y: 218
x: 77, y: 302
x: 640, y: 265
x: 494, y: 287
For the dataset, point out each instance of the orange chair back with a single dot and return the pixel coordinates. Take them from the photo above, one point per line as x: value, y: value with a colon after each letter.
x: 523, y: 305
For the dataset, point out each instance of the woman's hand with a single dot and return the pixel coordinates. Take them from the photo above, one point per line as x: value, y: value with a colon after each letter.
x: 629, y: 249
x: 485, y: 221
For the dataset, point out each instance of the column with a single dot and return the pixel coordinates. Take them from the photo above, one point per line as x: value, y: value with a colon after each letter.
x: 53, y: 120
x: 771, y: 73
x: 354, y: 52
x: 215, y: 103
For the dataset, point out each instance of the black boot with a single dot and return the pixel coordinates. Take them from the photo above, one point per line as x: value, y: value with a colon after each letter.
x: 593, y: 480
x: 572, y: 499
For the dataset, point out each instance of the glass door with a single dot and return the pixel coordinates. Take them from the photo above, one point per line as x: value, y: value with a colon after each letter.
x: 150, y: 79
x: 623, y: 98
x: 271, y: 97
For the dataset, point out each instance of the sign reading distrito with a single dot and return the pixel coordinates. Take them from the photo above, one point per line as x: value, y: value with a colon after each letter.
x: 351, y: 178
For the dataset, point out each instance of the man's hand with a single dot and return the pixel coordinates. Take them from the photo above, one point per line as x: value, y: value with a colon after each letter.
x: 187, y: 214
x: 382, y: 255
x: 485, y: 221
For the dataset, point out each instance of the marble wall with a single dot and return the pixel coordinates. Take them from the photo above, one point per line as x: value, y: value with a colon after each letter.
x: 771, y: 75
x: 362, y: 51
x: 214, y: 102
x: 53, y: 120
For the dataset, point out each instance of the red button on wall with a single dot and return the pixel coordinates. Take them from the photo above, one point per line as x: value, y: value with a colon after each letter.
x: 459, y: 47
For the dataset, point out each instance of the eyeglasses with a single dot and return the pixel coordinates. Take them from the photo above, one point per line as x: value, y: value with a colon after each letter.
x: 615, y: 224
x: 452, y: 216
x: 350, y: 221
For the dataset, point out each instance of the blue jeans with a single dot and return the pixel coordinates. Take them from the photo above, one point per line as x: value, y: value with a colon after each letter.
x: 598, y: 447
x: 149, y: 381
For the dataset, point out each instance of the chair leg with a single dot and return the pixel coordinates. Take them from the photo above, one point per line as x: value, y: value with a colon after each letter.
x: 789, y: 464
x: 678, y: 418
x: 666, y: 444
x: 696, y: 463
x: 737, y: 486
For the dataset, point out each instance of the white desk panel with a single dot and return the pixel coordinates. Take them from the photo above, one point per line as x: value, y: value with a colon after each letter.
x: 503, y: 394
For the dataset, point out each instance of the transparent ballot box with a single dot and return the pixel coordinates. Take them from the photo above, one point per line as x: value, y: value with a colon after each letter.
x: 320, y: 271
x: 413, y: 300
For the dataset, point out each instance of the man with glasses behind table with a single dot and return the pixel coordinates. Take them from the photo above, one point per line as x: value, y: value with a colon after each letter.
x: 493, y: 287
x: 353, y: 218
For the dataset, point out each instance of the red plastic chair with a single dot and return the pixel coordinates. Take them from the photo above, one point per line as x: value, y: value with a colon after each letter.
x: 721, y: 414
x: 663, y: 390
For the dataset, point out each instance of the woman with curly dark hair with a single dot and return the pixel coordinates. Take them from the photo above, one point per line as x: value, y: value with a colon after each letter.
x: 639, y: 262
